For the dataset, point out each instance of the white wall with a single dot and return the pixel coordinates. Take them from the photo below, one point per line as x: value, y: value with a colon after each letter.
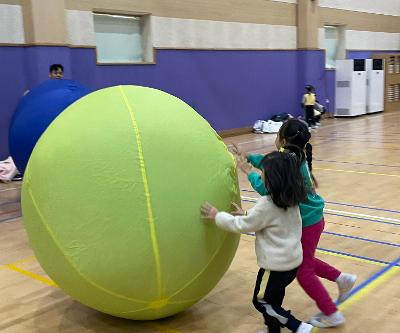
x: 367, y: 40
x: 321, y: 38
x: 11, y: 24
x: 387, y: 7
x: 187, y: 33
x: 288, y: 1
x: 80, y: 27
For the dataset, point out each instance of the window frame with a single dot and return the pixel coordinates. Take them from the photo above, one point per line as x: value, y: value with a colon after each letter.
x: 146, y: 38
x: 341, y: 51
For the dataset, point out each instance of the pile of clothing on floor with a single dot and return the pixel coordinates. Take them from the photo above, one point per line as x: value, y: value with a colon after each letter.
x: 271, y: 126
x: 274, y: 124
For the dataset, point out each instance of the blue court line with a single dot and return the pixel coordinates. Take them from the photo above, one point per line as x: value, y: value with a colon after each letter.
x: 356, y: 256
x: 355, y: 237
x: 353, y: 139
x: 350, y: 255
x: 345, y: 204
x: 338, y: 140
x: 366, y: 207
x: 361, y: 239
x: 350, y: 217
x: 359, y: 163
x: 361, y: 218
x: 374, y: 277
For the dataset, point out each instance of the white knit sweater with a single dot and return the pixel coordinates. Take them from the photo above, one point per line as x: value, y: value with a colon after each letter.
x: 278, y: 233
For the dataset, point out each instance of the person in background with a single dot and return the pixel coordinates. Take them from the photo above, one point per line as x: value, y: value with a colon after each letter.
x: 56, y: 72
x: 308, y: 103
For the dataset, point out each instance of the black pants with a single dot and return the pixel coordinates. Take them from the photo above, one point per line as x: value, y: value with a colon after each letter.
x: 268, y: 301
x: 309, y: 109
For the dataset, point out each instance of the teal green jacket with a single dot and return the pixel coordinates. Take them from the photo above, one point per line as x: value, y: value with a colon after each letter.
x: 311, y: 211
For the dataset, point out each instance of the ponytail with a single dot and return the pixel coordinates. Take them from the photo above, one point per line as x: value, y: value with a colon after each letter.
x: 296, y: 150
x: 308, y: 149
x: 297, y: 136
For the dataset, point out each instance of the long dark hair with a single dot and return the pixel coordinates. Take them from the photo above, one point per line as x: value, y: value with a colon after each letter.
x: 283, y: 179
x: 297, y: 136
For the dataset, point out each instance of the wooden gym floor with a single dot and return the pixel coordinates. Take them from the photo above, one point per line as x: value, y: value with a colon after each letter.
x: 357, y: 164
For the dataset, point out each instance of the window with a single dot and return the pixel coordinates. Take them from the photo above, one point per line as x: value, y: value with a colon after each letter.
x: 122, y: 39
x: 331, y: 46
x: 334, y: 44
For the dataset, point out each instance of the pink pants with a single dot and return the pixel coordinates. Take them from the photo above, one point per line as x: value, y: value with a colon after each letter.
x: 311, y: 268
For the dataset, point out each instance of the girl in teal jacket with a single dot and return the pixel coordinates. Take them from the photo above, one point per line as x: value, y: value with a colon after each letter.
x: 294, y: 136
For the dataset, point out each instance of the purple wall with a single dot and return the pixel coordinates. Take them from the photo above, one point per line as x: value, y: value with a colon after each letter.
x: 39, y: 58
x: 365, y: 54
x: 311, y: 69
x: 12, y: 86
x: 230, y: 89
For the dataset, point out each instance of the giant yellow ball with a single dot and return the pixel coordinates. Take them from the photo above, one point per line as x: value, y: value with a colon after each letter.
x: 111, y: 199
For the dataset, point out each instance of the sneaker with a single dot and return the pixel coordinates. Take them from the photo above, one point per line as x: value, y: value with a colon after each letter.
x: 314, y: 126
x: 323, y: 321
x: 304, y: 328
x: 345, y: 283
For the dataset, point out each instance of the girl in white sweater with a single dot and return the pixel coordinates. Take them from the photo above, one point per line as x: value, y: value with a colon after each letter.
x: 276, y: 221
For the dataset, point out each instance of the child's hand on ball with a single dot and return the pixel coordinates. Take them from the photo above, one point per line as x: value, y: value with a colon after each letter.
x: 243, y: 165
x: 208, y: 211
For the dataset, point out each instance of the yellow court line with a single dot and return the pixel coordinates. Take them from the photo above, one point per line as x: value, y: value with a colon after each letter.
x: 150, y: 217
x: 31, y: 275
x: 360, y: 172
x: 352, y: 258
x: 369, y: 288
x: 391, y: 272
x: 23, y: 260
x: 40, y: 278
x: 365, y: 291
x: 19, y: 261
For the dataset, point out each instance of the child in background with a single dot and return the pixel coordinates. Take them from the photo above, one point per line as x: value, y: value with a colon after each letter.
x: 308, y: 103
x: 294, y: 136
x: 276, y: 221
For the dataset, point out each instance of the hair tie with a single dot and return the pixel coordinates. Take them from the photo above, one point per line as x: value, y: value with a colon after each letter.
x: 293, y: 155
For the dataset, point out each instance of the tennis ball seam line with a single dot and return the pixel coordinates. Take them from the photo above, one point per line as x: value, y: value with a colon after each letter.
x: 202, y: 271
x: 150, y: 217
x: 58, y: 245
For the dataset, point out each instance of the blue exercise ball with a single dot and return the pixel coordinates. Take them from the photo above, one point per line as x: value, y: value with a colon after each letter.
x: 36, y: 111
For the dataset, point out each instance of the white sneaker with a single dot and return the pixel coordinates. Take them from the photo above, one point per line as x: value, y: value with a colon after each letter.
x: 345, y: 283
x: 305, y: 328
x: 323, y: 321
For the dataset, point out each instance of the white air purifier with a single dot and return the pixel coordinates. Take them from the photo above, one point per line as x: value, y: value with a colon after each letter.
x: 351, y: 88
x: 375, y: 85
